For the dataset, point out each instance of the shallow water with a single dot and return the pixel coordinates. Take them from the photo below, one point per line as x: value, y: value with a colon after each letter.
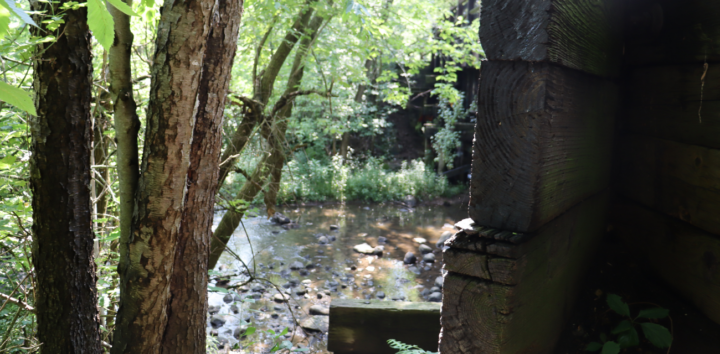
x: 329, y: 271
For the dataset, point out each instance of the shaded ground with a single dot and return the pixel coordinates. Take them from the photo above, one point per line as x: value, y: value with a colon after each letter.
x: 618, y: 272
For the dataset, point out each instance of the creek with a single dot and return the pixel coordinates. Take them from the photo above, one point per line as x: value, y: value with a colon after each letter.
x: 315, y: 263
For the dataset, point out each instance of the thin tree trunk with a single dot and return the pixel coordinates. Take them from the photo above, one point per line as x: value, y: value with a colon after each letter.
x: 263, y: 91
x: 271, y: 165
x: 66, y: 300
x: 127, y: 123
x: 186, y: 332
x: 100, y: 154
x: 147, y: 258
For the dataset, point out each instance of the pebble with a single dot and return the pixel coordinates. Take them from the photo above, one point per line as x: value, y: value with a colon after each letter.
x: 419, y: 240
x: 228, y: 298
x: 435, y: 297
x: 319, y: 310
x: 217, y: 321
x: 334, y: 227
x: 425, y: 249
x: 429, y: 258
x: 434, y: 289
x: 213, y: 309
x: 235, y: 309
x: 301, y: 291
x: 425, y: 292
x: 280, y: 298
x: 238, y: 331
x: 380, y: 295
x: 323, y: 240
x: 296, y: 265
x: 381, y: 240
x: 409, y: 258
x: 439, y: 282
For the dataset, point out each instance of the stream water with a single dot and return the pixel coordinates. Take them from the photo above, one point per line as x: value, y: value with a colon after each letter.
x: 310, y: 272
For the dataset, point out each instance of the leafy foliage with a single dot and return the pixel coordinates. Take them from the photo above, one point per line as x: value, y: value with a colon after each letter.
x: 626, y: 331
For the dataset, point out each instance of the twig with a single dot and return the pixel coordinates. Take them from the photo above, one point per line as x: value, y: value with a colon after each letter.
x: 18, y: 302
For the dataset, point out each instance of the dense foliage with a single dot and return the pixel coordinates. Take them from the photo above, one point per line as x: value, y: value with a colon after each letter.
x: 363, y: 58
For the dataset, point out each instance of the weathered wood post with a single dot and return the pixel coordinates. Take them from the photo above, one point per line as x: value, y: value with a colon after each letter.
x: 541, y: 167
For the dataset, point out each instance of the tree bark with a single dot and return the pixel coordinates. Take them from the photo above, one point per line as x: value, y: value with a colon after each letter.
x: 147, y: 257
x: 127, y: 123
x: 67, y: 316
x: 186, y: 332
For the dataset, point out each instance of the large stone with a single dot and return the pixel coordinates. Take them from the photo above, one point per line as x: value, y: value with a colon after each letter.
x: 444, y: 237
x: 296, y: 265
x: 280, y: 219
x: 217, y: 321
x: 319, y: 310
x: 281, y: 297
x: 425, y: 249
x: 316, y: 323
x: 429, y: 258
x: 364, y: 248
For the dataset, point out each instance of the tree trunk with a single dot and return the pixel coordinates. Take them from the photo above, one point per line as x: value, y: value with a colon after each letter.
x: 186, y: 332
x: 147, y: 258
x: 127, y: 123
x: 67, y: 316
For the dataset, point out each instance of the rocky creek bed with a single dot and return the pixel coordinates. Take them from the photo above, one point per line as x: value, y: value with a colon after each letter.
x: 311, y: 255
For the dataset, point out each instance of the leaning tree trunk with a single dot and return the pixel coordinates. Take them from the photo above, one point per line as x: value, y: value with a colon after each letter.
x: 147, y: 258
x: 66, y: 301
x: 185, y: 332
x: 270, y: 165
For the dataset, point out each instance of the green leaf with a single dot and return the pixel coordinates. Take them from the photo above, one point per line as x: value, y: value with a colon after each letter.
x: 593, y: 347
x: 101, y: 23
x: 622, y: 327
x: 4, y: 21
x: 286, y: 344
x: 658, y: 335
x: 10, y: 5
x: 654, y: 313
x: 7, y: 161
x: 284, y: 332
x: 123, y: 7
x: 610, y: 348
x: 301, y: 350
x: 618, y: 305
x: 249, y: 331
x: 629, y: 339
x: 217, y: 289
x: 17, y: 97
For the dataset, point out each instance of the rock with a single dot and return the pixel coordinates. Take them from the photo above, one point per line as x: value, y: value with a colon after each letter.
x: 429, y: 258
x: 217, y: 321
x: 274, y: 316
x: 364, y: 248
x: 319, y: 310
x: 319, y: 295
x: 290, y: 225
x: 425, y: 249
x: 425, y: 292
x: 228, y: 298
x: 323, y: 240
x: 213, y: 309
x: 280, y: 219
x: 316, y: 323
x: 380, y: 295
x: 295, y: 282
x: 444, y: 237
x: 434, y: 289
x: 381, y: 240
x: 398, y: 298
x: 301, y: 291
x: 439, y: 281
x: 332, y: 238
x: 235, y: 309
x: 409, y: 258
x: 435, y: 297
x: 280, y: 297
x: 303, y: 272
x: 296, y: 265
x: 410, y: 201
x: 419, y: 240
x: 334, y: 227
x: 258, y: 289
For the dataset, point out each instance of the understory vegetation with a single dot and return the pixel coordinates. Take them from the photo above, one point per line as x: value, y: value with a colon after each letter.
x: 307, y: 118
